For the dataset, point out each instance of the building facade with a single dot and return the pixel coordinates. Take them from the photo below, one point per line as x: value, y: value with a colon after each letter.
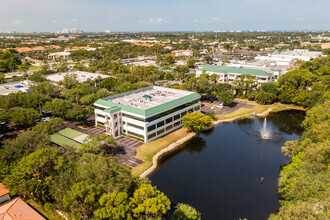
x: 146, y: 113
x: 228, y: 74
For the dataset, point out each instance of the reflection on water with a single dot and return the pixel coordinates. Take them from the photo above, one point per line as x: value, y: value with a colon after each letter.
x: 219, y: 172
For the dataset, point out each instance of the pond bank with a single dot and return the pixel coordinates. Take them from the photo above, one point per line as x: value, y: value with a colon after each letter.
x: 149, y: 166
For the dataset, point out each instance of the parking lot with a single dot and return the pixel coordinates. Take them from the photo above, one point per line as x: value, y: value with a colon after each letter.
x: 127, y: 151
x: 210, y: 101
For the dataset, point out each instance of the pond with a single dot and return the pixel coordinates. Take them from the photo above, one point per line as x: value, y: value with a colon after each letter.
x: 219, y: 173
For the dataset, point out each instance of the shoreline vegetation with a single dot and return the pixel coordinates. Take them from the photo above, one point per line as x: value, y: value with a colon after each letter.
x: 153, y: 151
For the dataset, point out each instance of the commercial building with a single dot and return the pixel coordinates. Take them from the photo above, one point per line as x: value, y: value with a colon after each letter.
x: 179, y: 53
x: 228, y: 74
x: 288, y: 58
x: 59, y: 55
x: 146, y: 113
x: 82, y: 77
x: 11, y: 87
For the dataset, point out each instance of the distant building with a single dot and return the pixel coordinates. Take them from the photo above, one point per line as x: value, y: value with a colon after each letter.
x: 4, y: 194
x: 179, y: 53
x: 146, y: 113
x: 59, y: 55
x: 13, y: 87
x: 228, y: 74
x: 82, y: 77
x: 18, y: 210
x: 65, y: 31
x: 107, y: 31
x: 73, y: 31
x: 325, y: 46
x: 288, y: 58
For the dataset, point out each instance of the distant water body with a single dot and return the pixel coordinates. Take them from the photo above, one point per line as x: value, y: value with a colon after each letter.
x: 219, y: 173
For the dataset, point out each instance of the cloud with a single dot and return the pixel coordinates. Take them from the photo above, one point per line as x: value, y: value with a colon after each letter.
x: 153, y: 21
x: 212, y: 20
x: 18, y: 21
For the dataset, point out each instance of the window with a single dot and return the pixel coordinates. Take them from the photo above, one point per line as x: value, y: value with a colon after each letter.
x: 100, y: 108
x: 152, y: 127
x: 190, y: 110
x: 152, y: 135
x: 135, y: 134
x: 176, y: 117
x: 135, y: 126
x: 115, y: 116
x: 197, y: 108
x: 163, y: 114
x: 177, y: 124
x: 133, y: 117
x: 160, y: 131
x: 169, y: 120
x: 169, y: 127
x: 101, y: 116
x: 183, y: 113
x: 160, y: 124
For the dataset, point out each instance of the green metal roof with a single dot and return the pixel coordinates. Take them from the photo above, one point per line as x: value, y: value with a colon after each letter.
x: 149, y: 111
x: 228, y: 69
x: 114, y: 109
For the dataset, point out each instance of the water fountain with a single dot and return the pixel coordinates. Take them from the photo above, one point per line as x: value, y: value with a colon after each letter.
x: 265, y: 133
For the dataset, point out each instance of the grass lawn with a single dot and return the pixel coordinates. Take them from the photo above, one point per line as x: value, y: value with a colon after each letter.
x: 70, y: 133
x: 244, y: 111
x: 42, y: 211
x: 62, y: 141
x: 35, y: 68
x: 146, y: 151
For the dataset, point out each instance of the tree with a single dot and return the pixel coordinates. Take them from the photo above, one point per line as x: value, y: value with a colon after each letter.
x: 82, y: 199
x: 269, y: 87
x: 265, y: 98
x: 208, y: 59
x: 36, y: 77
x: 58, y: 107
x: 69, y: 81
x: 24, y: 144
x: 196, y: 52
x: 49, y: 127
x: 23, y: 116
x: 168, y: 59
x: 34, y: 174
x: 109, y: 83
x: 196, y: 121
x: 102, y: 144
x: 2, y: 78
x: 148, y: 202
x: 226, y: 97
x: 114, y: 205
x: 91, y: 98
x: 191, y: 63
x: 25, y: 66
x: 185, y: 212
x: 244, y: 84
x: 46, y: 88
x: 79, y: 113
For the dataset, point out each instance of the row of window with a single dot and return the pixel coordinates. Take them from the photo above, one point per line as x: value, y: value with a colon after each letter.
x: 135, y: 126
x: 163, y: 130
x: 160, y: 115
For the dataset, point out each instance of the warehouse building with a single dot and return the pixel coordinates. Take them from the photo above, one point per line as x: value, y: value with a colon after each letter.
x: 146, y: 113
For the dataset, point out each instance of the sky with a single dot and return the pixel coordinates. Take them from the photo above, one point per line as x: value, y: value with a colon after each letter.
x: 163, y: 15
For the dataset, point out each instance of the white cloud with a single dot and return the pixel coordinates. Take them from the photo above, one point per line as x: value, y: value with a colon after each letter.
x: 153, y: 21
x: 18, y: 21
x: 212, y: 20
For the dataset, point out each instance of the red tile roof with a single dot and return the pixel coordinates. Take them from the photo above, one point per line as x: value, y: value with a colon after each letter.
x: 3, y: 190
x: 18, y: 210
